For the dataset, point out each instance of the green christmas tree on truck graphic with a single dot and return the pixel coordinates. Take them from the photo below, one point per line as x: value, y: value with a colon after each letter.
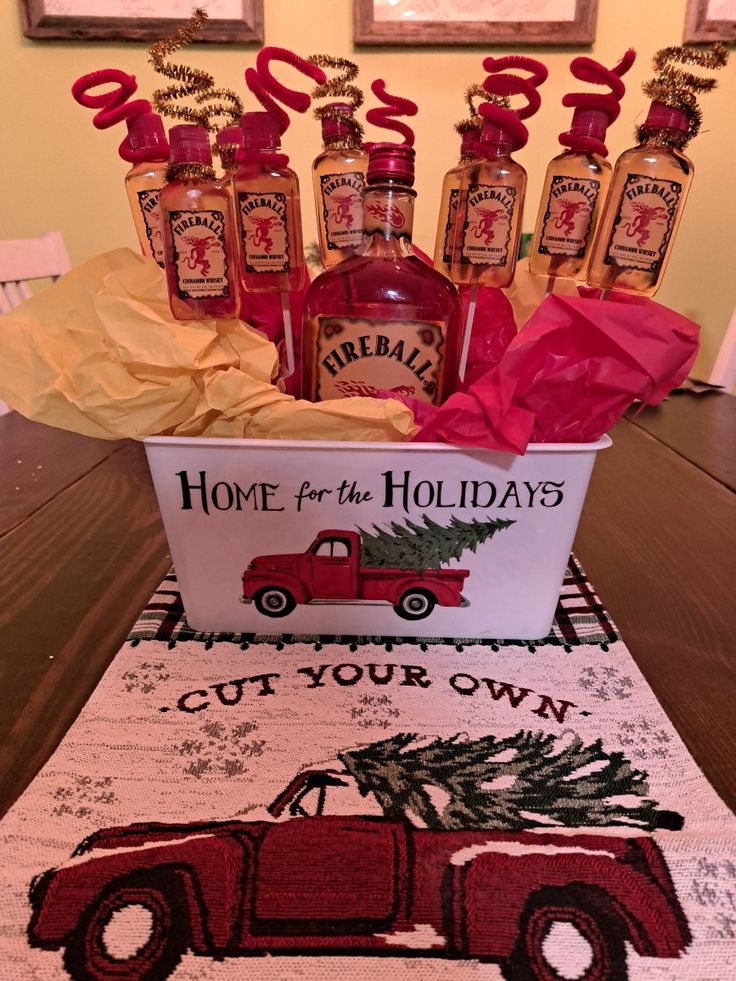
x: 401, y: 565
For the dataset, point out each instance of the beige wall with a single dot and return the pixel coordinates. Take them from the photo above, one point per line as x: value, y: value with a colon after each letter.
x: 61, y: 173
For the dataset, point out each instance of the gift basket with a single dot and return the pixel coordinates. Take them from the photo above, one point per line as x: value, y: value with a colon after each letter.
x: 402, y: 444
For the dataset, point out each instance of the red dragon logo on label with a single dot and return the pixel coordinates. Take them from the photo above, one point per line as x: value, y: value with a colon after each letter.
x: 388, y: 213
x: 646, y: 215
x: 261, y: 237
x: 565, y: 219
x: 198, y: 254
x: 342, y: 213
x: 483, y: 228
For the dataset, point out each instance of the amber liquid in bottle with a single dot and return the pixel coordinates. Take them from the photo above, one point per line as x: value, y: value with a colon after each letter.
x: 269, y: 226
x: 197, y: 220
x: 490, y: 208
x: 573, y: 194
x: 143, y: 184
x: 338, y: 176
x: 382, y: 320
x: 637, y: 230
x: 447, y: 220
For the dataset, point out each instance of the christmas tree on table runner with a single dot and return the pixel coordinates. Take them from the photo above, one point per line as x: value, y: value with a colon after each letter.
x: 424, y: 546
x: 528, y: 780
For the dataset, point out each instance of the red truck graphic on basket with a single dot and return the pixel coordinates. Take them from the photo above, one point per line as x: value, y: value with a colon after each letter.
x: 331, y: 571
x: 132, y: 900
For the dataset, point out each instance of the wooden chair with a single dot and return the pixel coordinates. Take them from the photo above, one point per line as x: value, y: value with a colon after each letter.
x: 24, y: 259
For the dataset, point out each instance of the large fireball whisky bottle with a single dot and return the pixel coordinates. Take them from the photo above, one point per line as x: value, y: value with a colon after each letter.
x: 338, y: 174
x: 197, y: 220
x: 145, y: 179
x: 382, y: 320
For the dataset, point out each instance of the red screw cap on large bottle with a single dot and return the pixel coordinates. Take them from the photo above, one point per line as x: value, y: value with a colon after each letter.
x: 391, y: 161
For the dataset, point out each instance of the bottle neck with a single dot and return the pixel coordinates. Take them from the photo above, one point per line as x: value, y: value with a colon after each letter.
x: 190, y: 171
x: 388, y: 219
x: 493, y: 149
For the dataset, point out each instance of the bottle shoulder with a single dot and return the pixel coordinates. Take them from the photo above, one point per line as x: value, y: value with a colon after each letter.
x: 499, y: 168
x: 192, y: 191
x: 401, y: 279
x: 578, y: 164
x: 650, y: 158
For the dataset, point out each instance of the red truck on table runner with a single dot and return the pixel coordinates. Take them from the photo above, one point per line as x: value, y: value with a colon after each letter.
x: 310, y: 882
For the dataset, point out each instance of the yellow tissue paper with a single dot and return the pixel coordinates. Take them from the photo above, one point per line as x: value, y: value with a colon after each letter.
x: 99, y: 353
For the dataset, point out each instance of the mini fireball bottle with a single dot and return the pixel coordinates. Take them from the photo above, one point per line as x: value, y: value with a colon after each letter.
x: 490, y: 207
x: 196, y: 215
x: 574, y: 189
x: 382, y: 320
x: 268, y: 213
x: 577, y: 180
x: 449, y: 201
x: 651, y: 181
x: 338, y: 174
x: 144, y: 181
x: 648, y: 192
x: 229, y: 141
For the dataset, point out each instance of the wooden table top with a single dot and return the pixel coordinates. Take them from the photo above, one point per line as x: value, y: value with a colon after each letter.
x: 82, y: 549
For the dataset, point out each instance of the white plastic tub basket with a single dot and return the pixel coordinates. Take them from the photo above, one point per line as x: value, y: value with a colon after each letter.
x: 379, y: 539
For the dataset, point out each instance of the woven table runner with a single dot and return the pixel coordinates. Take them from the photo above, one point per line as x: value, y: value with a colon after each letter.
x: 281, y: 806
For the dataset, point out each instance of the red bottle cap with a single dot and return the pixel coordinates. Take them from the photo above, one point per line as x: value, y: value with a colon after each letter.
x: 190, y: 144
x: 146, y: 132
x: 391, y: 161
x: 590, y: 122
x: 494, y: 135
x: 335, y: 127
x: 260, y: 131
x: 661, y: 116
x: 230, y: 136
x: 467, y: 143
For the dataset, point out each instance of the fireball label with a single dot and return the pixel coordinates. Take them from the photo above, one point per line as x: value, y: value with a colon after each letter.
x: 365, y: 357
x: 643, y: 223
x: 568, y: 219
x: 200, y: 259
x: 487, y: 226
x: 264, y: 231
x: 148, y: 203
x: 342, y: 209
x: 450, y: 225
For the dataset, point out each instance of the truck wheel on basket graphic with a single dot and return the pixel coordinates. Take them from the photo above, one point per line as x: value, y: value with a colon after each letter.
x: 137, y: 930
x: 415, y: 604
x: 273, y: 601
x: 568, y: 933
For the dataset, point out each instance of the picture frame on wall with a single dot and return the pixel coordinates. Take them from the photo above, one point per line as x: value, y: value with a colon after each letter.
x: 138, y: 20
x: 474, y: 22
x: 710, y: 20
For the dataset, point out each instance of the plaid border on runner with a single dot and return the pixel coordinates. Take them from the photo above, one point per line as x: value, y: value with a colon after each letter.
x: 580, y: 618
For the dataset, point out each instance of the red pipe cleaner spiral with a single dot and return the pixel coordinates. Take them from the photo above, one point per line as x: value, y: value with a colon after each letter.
x: 606, y: 107
x: 113, y: 105
x: 506, y: 85
x: 266, y: 88
x: 393, y: 105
